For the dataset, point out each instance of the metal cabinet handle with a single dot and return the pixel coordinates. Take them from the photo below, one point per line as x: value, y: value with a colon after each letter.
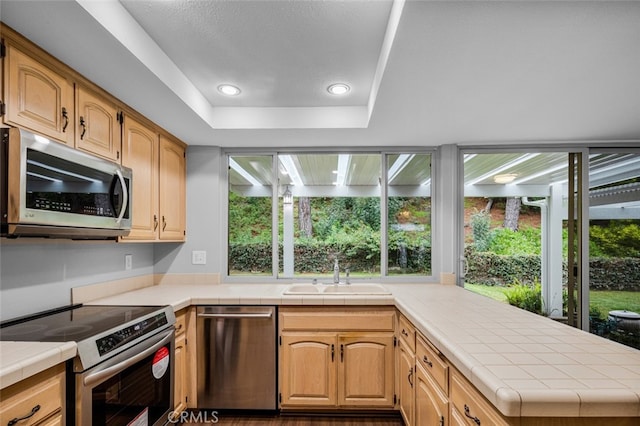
x: 155, y: 222
x: 66, y: 119
x: 426, y: 361
x: 441, y: 421
x: 332, y: 352
x: 468, y: 414
x: 404, y: 333
x: 14, y: 421
x: 341, y: 353
x: 164, y: 223
x: 410, y: 377
x: 83, y: 124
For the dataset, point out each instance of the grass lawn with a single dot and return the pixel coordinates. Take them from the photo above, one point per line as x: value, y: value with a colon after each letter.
x: 604, y: 301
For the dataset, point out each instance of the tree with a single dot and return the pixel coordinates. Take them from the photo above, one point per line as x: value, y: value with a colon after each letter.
x: 512, y: 213
x: 304, y: 217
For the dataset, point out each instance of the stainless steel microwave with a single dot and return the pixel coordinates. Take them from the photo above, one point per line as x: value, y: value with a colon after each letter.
x: 51, y: 190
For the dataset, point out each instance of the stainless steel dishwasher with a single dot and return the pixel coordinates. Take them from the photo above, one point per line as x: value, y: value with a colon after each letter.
x: 236, y: 357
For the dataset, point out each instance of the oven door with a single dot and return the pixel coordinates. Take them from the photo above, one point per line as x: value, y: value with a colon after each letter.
x: 134, y: 387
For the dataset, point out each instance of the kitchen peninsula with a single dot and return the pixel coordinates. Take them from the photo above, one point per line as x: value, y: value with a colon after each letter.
x: 526, y: 366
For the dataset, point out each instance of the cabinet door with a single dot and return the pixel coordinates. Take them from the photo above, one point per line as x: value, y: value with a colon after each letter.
x: 432, y: 407
x: 180, y: 385
x: 406, y: 366
x: 172, y: 190
x: 140, y: 153
x: 308, y: 370
x: 97, y: 125
x: 38, y: 98
x: 365, y: 370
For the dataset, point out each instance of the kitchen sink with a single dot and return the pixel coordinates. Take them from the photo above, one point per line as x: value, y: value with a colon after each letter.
x: 337, y: 289
x: 303, y: 289
x: 360, y: 288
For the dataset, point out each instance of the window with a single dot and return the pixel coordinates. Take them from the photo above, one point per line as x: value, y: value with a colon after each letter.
x: 327, y: 208
x: 250, y: 250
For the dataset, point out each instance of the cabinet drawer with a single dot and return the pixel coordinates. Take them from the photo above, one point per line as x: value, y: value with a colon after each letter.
x: 181, y: 322
x: 407, y: 332
x: 471, y: 405
x: 337, y: 319
x: 44, y: 390
x: 431, y: 360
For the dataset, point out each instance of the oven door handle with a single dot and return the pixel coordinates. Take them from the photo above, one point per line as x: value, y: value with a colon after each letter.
x: 240, y: 315
x: 99, y: 376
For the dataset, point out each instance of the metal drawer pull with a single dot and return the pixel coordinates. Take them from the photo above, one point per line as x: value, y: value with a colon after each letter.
x: 14, y: 421
x: 332, y: 352
x: 441, y: 421
x: 466, y: 413
x: 426, y: 361
x: 410, y: 376
x: 404, y: 333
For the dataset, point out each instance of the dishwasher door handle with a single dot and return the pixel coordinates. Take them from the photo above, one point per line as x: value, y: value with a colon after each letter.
x: 241, y: 315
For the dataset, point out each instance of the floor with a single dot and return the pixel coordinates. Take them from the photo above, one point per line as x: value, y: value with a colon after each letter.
x: 274, y: 420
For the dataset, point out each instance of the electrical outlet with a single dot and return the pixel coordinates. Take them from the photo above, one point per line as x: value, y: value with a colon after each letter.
x: 198, y: 257
x: 128, y: 262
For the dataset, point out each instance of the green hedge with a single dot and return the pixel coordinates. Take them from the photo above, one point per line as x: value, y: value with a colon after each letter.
x: 604, y: 273
x: 318, y: 258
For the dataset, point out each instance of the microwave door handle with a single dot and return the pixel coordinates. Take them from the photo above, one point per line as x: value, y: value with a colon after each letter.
x: 125, y: 196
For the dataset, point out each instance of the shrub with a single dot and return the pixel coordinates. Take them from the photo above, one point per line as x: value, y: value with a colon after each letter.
x: 527, y: 297
x: 480, y: 227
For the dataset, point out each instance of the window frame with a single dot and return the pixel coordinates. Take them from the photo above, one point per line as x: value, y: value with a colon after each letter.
x: 383, y: 152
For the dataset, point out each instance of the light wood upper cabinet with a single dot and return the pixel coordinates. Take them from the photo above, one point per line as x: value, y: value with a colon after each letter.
x: 37, y: 97
x: 98, y: 128
x: 140, y: 153
x: 159, y: 183
x: 172, y: 195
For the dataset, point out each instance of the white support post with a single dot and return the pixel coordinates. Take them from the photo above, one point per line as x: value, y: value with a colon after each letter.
x: 287, y: 240
x: 553, y: 230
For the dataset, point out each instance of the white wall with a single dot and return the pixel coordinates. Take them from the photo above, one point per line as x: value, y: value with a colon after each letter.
x: 36, y: 275
x: 203, y: 217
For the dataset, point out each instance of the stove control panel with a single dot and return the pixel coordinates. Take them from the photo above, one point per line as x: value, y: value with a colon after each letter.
x: 130, y: 333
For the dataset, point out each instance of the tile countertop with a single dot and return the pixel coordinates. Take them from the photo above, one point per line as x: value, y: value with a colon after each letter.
x: 19, y: 360
x: 525, y: 364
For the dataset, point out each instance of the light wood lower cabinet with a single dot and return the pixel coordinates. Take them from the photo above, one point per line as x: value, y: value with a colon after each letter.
x: 180, y: 367
x: 336, y: 359
x: 184, y: 367
x: 39, y: 400
x: 406, y: 389
x: 308, y: 371
x: 432, y: 405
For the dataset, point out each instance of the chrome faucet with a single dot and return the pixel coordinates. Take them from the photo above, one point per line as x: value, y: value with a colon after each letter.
x: 336, y: 272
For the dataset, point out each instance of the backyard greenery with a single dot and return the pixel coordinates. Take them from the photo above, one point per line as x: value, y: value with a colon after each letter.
x: 344, y: 227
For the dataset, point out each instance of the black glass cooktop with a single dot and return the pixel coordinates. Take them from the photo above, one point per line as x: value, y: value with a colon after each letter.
x: 73, y: 323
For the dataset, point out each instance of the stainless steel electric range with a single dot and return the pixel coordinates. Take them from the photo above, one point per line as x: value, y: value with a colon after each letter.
x: 123, y: 372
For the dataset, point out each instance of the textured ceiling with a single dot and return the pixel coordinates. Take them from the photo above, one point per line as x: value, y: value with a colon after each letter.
x: 425, y: 73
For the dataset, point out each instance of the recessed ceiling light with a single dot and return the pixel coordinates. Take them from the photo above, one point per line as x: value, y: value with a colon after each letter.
x: 505, y: 178
x: 228, y: 89
x: 338, y: 89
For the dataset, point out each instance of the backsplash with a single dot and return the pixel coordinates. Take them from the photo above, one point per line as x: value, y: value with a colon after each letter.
x: 39, y: 275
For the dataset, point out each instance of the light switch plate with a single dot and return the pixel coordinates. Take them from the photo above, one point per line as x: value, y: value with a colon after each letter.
x: 128, y: 262
x: 198, y: 257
